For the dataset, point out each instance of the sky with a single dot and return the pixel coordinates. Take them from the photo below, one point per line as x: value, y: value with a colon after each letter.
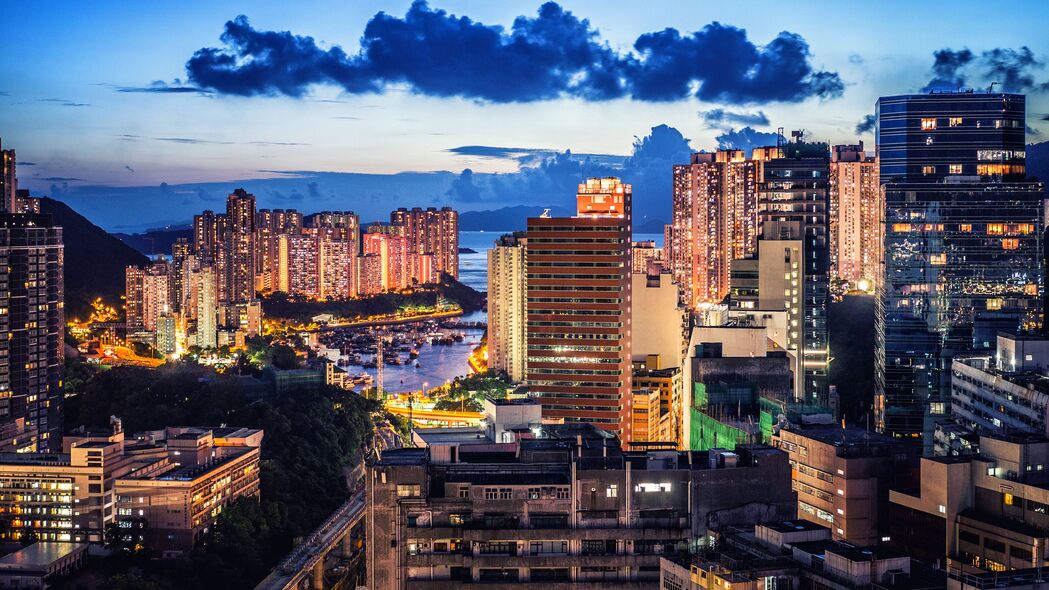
x: 139, y: 114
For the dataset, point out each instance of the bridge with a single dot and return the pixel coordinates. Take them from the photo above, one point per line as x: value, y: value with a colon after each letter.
x: 304, y: 566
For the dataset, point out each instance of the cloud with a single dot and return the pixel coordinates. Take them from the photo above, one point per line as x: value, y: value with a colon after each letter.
x: 719, y: 118
x: 463, y: 188
x: 866, y: 124
x: 4, y: 93
x: 347, y: 118
x: 192, y: 140
x: 551, y: 55
x: 746, y: 139
x: 1012, y: 69
x: 529, y: 156
x: 162, y: 87
x: 855, y: 58
x: 129, y: 169
x: 64, y: 102
x: 26, y: 163
x: 271, y: 143
x: 61, y: 179
x: 1032, y: 131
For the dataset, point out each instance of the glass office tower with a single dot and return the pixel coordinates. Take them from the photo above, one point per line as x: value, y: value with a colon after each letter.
x: 963, y: 245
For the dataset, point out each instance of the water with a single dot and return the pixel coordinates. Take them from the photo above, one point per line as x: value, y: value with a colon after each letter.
x: 437, y: 364
x: 473, y: 268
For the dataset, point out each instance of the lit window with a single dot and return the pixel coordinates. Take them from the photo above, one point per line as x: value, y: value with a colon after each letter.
x: 612, y: 491
x: 995, y: 229
x: 928, y: 169
x: 928, y: 140
x: 1009, y: 499
x: 1010, y: 244
x: 928, y: 124
x: 994, y: 304
x: 966, y: 227
x: 954, y: 121
x: 938, y: 259
x: 955, y: 169
x: 943, y: 509
x: 901, y: 227
x: 409, y: 490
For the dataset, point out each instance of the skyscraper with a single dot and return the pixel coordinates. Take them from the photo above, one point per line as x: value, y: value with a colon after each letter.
x: 793, y: 201
x: 8, y: 181
x: 206, y: 307
x: 238, y: 247
x: 507, y: 296
x: 855, y: 215
x: 963, y: 244
x: 578, y: 308
x: 431, y: 231
x: 31, y: 325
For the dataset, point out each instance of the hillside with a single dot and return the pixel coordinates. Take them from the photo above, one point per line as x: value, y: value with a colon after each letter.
x: 94, y: 260
x: 155, y: 241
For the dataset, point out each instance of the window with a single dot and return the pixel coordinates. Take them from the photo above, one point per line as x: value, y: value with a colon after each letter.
x: 491, y: 494
x: 464, y: 492
x: 937, y: 259
x: 928, y: 169
x: 546, y: 547
x: 955, y: 169
x: 562, y: 493
x: 612, y: 491
x: 969, y: 537
x: 928, y: 124
x: 1020, y: 553
x: 652, y: 487
x: 994, y: 304
x: 1011, y: 500
x: 409, y: 490
x: 1010, y: 244
x: 455, y: 520
x: 534, y: 493
x: 966, y: 227
x: 954, y: 121
x: 943, y: 509
x: 993, y: 545
x: 506, y: 493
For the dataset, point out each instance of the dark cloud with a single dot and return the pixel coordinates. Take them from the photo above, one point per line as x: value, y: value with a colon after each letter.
x: 4, y: 93
x: 1032, y: 131
x: 855, y: 58
x: 554, y: 54
x: 866, y: 124
x: 64, y: 102
x: 26, y: 164
x: 464, y: 189
x: 1045, y: 117
x: 718, y: 118
x: 129, y: 169
x: 61, y: 179
x: 1013, y: 70
x: 192, y: 140
x: 162, y: 87
x: 746, y: 139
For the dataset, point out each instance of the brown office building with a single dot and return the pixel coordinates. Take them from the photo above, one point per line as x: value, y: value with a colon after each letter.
x: 578, y: 309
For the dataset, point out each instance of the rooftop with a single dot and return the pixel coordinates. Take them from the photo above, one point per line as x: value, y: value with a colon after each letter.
x: 790, y: 526
x: 39, y: 555
x: 451, y: 435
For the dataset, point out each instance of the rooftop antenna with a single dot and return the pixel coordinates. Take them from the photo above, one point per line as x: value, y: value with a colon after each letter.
x: 991, y: 87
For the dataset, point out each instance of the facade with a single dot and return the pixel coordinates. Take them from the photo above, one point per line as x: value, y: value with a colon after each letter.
x: 567, y: 508
x: 168, y: 501
x: 578, y: 329
x: 8, y: 180
x: 842, y: 477
x: 654, y: 304
x: 987, y: 512
x: 507, y: 298
x: 431, y: 232
x: 646, y: 257
x: 32, y: 349
x: 238, y: 247
x: 855, y: 216
x: 206, y: 308
x: 963, y: 245
x: 793, y: 205
x: 650, y: 374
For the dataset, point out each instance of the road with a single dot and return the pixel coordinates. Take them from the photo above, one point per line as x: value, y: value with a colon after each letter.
x: 122, y: 355
x: 447, y: 417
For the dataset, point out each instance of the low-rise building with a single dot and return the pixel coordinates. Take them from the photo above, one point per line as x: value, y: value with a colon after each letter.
x: 35, y: 566
x: 560, y: 504
x: 988, y: 511
x: 843, y: 476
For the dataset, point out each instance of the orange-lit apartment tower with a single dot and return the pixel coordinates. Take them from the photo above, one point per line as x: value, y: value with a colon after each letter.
x: 578, y: 309
x: 239, y: 247
x: 431, y: 231
x: 855, y: 215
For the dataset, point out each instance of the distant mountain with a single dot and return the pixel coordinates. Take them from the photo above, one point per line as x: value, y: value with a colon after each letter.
x: 1038, y: 161
x: 504, y: 219
x: 94, y: 260
x: 155, y: 241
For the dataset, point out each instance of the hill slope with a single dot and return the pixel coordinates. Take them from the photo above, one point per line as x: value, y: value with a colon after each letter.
x: 94, y: 260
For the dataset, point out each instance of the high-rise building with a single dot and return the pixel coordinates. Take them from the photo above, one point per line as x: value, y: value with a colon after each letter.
x: 646, y: 257
x: 507, y: 296
x: 206, y: 307
x: 335, y: 266
x: 578, y: 308
x: 793, y: 202
x: 8, y: 181
x: 181, y: 262
x: 393, y: 253
x: 855, y: 216
x: 238, y: 247
x: 32, y: 325
x: 369, y: 274
x: 208, y: 230
x: 715, y: 221
x: 301, y: 255
x: 431, y: 231
x: 963, y: 245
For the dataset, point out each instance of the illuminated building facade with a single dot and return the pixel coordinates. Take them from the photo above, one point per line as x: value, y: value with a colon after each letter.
x: 431, y: 231
x: 32, y: 323
x: 206, y: 307
x: 335, y: 266
x: 301, y: 253
x: 507, y: 298
x: 578, y: 308
x: 393, y: 253
x: 8, y: 181
x: 715, y: 221
x: 963, y: 245
x: 793, y: 204
x: 238, y: 247
x: 645, y: 257
x: 855, y: 215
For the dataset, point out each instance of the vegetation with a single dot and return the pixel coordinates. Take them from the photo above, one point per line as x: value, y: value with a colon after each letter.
x: 310, y: 438
x: 468, y: 393
x: 286, y: 307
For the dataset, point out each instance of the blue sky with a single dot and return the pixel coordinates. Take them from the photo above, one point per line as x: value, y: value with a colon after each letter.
x: 82, y: 138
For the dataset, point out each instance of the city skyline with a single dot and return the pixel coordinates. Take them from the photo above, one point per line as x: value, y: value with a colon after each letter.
x: 88, y: 132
